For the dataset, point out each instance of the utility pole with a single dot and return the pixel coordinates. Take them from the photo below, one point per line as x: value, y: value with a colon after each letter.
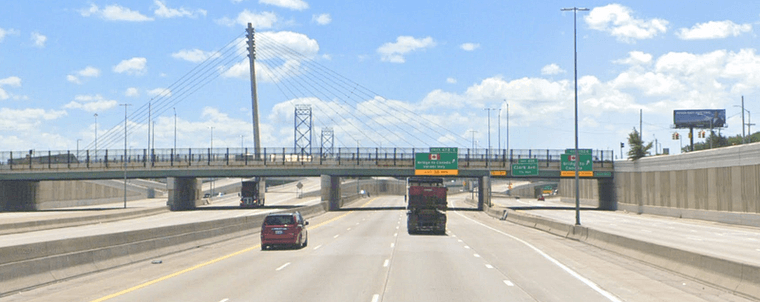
x: 254, y: 97
x: 125, y: 152
x: 505, y: 101
x: 96, y: 136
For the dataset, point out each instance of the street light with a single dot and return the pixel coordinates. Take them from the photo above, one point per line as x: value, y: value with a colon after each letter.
x: 575, y: 68
x: 125, y: 152
x: 473, y: 139
x: 175, y: 129
x: 211, y: 151
x: 96, y: 136
x: 488, y: 151
x: 749, y: 122
x: 78, y: 139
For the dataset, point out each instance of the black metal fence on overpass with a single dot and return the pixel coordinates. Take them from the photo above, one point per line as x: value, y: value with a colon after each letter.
x: 194, y: 157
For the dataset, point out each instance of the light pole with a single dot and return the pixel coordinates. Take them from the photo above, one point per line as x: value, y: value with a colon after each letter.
x: 575, y: 68
x: 175, y: 130
x: 488, y: 151
x: 498, y: 136
x: 744, y: 136
x: 473, y: 139
x: 96, y: 136
x: 125, y: 153
x: 242, y: 145
x: 211, y: 151
x: 78, y: 139
x: 505, y: 101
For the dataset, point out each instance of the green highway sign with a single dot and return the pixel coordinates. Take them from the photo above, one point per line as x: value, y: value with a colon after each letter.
x: 444, y: 150
x: 580, y: 151
x: 527, y: 161
x: 525, y: 169
x: 444, y: 163
x: 584, y: 162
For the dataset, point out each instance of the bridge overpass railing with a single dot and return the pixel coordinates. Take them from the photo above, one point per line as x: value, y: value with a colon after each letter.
x: 194, y: 157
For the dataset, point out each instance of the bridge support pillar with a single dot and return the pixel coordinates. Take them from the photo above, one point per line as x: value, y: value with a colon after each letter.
x: 18, y: 195
x: 331, y: 192
x: 484, y: 192
x: 184, y: 192
x: 606, y: 191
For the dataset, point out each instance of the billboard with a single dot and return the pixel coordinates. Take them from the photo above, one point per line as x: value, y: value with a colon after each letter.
x: 699, y: 118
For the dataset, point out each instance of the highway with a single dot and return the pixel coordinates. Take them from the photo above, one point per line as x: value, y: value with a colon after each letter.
x: 725, y: 241
x: 364, y: 254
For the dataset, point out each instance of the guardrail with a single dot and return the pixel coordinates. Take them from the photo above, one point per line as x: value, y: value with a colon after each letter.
x: 193, y: 157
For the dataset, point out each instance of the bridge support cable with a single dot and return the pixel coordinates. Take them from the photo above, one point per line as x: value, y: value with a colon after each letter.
x: 339, y: 82
x: 196, y: 78
x: 275, y: 73
x: 329, y: 91
x: 327, y: 142
x: 336, y: 93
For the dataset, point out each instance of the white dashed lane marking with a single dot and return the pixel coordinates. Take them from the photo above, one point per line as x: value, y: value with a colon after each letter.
x: 283, y: 266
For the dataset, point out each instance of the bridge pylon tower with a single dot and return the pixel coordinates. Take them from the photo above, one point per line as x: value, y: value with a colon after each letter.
x: 302, y: 127
x: 328, y: 141
x: 254, y: 96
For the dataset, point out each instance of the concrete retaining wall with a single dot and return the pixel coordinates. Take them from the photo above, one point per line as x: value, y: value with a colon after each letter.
x: 720, y: 184
x: 731, y: 275
x: 40, y: 195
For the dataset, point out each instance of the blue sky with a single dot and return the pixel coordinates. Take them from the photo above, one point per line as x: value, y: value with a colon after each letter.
x: 61, y: 62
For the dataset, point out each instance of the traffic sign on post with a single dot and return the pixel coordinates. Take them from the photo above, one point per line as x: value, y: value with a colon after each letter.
x: 585, y: 163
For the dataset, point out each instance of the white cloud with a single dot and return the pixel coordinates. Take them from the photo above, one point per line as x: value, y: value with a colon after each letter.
x: 451, y: 80
x: 91, y: 103
x: 114, y: 12
x: 635, y: 58
x: 160, y: 92
x: 713, y: 30
x: 165, y: 12
x: 38, y: 39
x: 290, y: 4
x: 551, y: 69
x: 322, y: 19
x: 194, y: 55
x: 132, y: 92
x: 11, y: 81
x: 274, y: 66
x: 133, y: 66
x: 88, y: 71
x: 618, y: 21
x: 469, y: 46
x: 259, y: 21
x: 394, y: 52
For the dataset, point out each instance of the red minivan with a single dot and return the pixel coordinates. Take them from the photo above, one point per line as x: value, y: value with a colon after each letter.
x: 284, y: 229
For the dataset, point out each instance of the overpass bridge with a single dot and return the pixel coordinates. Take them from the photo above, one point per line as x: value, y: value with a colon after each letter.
x: 21, y: 171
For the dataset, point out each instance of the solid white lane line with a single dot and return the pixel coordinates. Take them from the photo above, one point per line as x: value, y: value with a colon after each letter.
x: 336, y: 236
x: 283, y: 266
x: 476, y: 255
x: 385, y: 264
x: 376, y: 298
x: 318, y: 246
x: 588, y: 282
x: 489, y: 266
x: 509, y: 283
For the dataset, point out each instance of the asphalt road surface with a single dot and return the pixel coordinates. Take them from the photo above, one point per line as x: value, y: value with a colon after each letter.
x: 365, y: 254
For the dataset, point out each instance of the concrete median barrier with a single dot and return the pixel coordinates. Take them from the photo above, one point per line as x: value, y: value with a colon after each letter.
x: 736, y: 277
x: 31, y: 265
